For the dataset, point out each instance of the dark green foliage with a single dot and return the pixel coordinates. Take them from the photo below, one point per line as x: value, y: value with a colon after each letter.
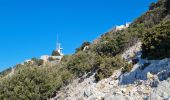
x: 110, y: 45
x: 156, y: 41
x: 114, y: 43
x: 34, y: 83
x: 127, y: 68
x: 55, y: 53
x: 66, y: 76
x: 83, y: 62
x: 158, y: 11
x: 82, y: 46
x: 152, y: 17
x: 108, y: 65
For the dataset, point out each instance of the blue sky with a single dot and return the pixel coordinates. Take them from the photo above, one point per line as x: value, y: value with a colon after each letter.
x: 29, y: 28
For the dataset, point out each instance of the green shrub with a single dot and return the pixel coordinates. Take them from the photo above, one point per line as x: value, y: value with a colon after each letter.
x: 158, y: 11
x: 108, y: 65
x: 110, y: 45
x: 127, y: 68
x: 66, y: 76
x: 82, y: 46
x: 156, y: 41
x: 83, y: 62
x: 34, y: 83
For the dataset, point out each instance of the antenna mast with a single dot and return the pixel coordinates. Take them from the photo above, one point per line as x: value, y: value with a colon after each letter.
x: 58, y: 46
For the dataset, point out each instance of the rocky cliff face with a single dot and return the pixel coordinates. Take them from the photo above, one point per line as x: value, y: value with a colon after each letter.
x: 148, y: 80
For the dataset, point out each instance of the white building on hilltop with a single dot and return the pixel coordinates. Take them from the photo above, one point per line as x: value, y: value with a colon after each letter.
x: 57, y: 57
x: 121, y: 27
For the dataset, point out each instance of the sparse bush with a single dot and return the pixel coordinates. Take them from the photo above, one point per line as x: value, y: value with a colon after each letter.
x: 82, y: 46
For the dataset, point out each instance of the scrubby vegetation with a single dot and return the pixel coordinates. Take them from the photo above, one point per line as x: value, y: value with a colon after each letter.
x: 34, y: 83
x: 35, y: 80
x: 158, y: 11
x: 82, y: 46
x: 83, y: 62
x: 37, y: 62
x: 108, y: 65
x: 156, y: 41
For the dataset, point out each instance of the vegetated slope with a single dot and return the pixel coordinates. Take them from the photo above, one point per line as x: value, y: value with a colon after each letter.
x: 149, y: 79
x: 36, y: 80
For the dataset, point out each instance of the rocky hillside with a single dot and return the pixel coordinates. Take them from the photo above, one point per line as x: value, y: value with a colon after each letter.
x: 130, y: 62
x: 150, y: 83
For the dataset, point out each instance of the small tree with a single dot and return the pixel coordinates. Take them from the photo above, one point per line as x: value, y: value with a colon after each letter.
x: 82, y: 46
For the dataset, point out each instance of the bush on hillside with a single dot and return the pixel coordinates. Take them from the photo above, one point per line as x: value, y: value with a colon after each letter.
x: 65, y: 58
x: 108, y: 65
x: 83, y: 62
x: 110, y: 45
x: 127, y: 67
x: 156, y: 42
x: 158, y: 11
x: 34, y: 83
x: 82, y: 46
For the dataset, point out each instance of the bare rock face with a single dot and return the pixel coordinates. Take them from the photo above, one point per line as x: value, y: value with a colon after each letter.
x: 162, y: 91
